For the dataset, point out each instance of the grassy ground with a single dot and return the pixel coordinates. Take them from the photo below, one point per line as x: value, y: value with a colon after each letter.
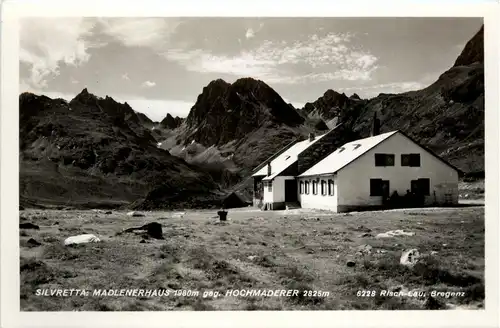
x: 471, y: 189
x: 299, y: 250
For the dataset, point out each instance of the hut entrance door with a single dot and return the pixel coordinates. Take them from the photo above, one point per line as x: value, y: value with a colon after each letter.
x: 290, y: 190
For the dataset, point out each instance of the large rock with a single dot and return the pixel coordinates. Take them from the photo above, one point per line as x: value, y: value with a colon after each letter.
x: 135, y: 214
x: 394, y: 233
x: 28, y: 225
x: 410, y: 257
x: 33, y: 243
x: 81, y: 239
x: 153, y: 230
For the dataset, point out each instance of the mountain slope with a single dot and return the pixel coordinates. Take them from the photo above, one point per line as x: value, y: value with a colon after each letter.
x: 225, y: 112
x: 447, y: 116
x: 94, y: 150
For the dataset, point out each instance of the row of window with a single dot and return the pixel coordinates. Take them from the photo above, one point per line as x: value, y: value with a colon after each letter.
x: 379, y: 187
x: 412, y: 160
x: 326, y: 187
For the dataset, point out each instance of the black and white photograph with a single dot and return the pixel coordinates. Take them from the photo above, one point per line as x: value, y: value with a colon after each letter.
x: 251, y: 163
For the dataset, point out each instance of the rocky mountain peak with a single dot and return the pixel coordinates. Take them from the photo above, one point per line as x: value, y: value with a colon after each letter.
x: 473, y: 50
x: 329, y: 105
x: 225, y: 112
x: 85, y: 97
x: 171, y: 122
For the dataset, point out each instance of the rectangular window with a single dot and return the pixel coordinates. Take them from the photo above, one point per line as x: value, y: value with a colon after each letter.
x: 421, y: 186
x: 315, y: 187
x: 330, y: 187
x: 384, y: 159
x: 307, y: 187
x: 323, y: 187
x: 301, y: 187
x: 412, y: 160
x: 415, y: 160
x: 405, y: 159
x: 269, y: 186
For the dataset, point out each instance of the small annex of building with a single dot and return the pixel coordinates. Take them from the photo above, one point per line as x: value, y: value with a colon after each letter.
x: 382, y: 171
x: 275, y: 183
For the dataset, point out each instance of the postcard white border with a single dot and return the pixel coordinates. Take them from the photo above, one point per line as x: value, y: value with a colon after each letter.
x: 9, y: 119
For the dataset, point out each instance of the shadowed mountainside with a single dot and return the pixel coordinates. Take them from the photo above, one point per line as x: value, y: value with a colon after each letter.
x: 95, y: 151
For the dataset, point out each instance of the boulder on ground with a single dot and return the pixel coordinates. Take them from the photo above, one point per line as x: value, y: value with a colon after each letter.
x: 81, y: 239
x: 394, y: 233
x: 28, y: 225
x: 136, y: 214
x: 152, y: 230
x: 33, y: 243
x: 410, y: 257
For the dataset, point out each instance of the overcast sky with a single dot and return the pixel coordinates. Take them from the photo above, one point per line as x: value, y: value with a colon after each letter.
x: 160, y: 65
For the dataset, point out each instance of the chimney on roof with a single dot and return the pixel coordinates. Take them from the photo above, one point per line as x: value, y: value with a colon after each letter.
x: 311, y: 136
x: 375, y: 125
x: 268, y: 169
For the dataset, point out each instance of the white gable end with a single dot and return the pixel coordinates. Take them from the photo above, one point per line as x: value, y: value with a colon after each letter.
x: 354, y: 179
x: 367, y: 172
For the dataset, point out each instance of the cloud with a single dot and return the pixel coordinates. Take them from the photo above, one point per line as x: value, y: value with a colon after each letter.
x: 148, y: 84
x: 46, y: 43
x: 199, y: 61
x: 140, y: 32
x: 392, y: 88
x: 273, y: 61
x: 125, y: 77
